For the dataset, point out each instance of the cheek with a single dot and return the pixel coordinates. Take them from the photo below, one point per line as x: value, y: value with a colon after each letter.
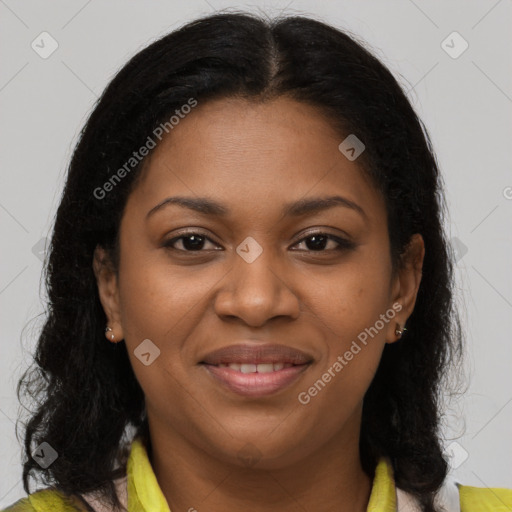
x: 350, y: 297
x: 161, y: 303
x: 156, y: 297
x: 351, y: 308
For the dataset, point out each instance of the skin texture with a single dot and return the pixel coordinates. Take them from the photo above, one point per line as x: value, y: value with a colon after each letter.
x: 254, y: 158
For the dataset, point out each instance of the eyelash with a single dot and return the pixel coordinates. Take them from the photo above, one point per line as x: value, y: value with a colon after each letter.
x: 343, y: 244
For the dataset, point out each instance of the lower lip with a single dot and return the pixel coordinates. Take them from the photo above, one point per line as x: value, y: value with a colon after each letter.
x: 256, y: 384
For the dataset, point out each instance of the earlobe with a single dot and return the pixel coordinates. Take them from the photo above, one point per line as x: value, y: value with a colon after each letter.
x: 106, y: 280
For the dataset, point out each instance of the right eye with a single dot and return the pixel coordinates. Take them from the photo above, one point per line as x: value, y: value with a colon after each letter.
x: 191, y: 241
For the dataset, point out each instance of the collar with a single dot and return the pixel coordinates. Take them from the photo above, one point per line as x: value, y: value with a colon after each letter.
x: 145, y: 495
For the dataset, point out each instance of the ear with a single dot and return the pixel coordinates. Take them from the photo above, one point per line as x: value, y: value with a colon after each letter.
x: 406, y: 284
x: 108, y: 290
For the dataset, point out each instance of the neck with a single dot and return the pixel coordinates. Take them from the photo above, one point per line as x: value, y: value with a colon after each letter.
x: 332, y: 478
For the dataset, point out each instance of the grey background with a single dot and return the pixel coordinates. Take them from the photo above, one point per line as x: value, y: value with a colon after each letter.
x: 465, y: 103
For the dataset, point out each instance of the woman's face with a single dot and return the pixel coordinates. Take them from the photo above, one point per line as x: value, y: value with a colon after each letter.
x: 264, y: 267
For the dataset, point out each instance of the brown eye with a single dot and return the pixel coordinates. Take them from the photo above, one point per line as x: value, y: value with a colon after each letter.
x: 317, y: 242
x: 191, y: 242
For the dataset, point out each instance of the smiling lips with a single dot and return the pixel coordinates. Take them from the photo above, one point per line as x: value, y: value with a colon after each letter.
x: 253, y: 368
x: 256, y: 370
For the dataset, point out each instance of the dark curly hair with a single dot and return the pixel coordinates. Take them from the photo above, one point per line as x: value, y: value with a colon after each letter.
x: 87, y: 395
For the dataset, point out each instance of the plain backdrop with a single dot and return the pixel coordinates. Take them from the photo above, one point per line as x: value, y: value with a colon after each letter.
x: 463, y: 94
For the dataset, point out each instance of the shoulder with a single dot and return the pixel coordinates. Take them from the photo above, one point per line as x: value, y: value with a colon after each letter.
x: 47, y: 500
x: 483, y: 499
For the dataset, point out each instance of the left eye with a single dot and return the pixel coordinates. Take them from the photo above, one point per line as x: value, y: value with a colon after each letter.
x: 318, y: 241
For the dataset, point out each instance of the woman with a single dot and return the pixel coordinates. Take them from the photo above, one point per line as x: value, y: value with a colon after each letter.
x: 250, y: 288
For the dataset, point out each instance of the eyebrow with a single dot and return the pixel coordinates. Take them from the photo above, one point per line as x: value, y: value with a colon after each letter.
x: 298, y: 208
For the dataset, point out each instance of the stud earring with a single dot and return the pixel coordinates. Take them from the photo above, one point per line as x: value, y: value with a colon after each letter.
x: 112, y: 335
x: 399, y: 332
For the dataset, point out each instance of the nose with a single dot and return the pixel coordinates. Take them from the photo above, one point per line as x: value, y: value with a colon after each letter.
x: 257, y: 291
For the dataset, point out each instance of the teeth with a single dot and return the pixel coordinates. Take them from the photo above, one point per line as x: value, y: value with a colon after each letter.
x: 256, y: 368
x: 265, y: 368
x: 248, y: 368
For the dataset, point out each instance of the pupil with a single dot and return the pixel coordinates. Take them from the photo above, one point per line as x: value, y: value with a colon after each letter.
x: 197, y: 242
x: 318, y: 242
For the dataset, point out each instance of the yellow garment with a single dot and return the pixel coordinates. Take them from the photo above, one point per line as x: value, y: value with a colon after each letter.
x: 145, y: 495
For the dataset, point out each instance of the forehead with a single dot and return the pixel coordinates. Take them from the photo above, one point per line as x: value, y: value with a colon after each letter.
x: 252, y: 155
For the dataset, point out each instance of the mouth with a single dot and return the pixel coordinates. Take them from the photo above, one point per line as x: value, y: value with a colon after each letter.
x: 255, y: 367
x: 256, y: 370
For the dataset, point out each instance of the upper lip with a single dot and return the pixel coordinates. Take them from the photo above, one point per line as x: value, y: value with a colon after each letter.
x: 261, y: 353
